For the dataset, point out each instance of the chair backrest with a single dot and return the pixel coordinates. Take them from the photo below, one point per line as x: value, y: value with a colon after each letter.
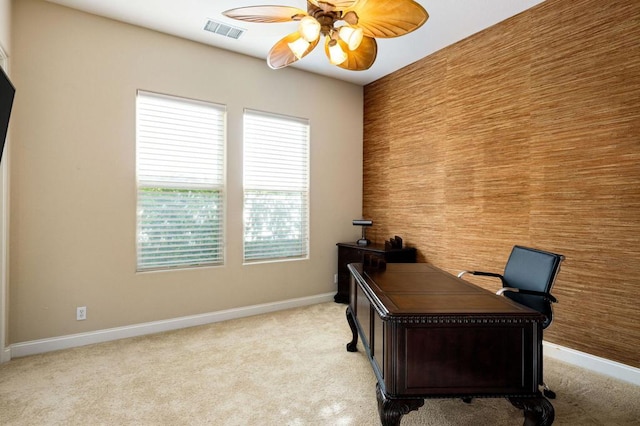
x: 532, y: 269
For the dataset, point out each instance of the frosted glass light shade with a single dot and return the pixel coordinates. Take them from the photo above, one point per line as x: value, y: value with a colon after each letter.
x: 309, y: 28
x: 299, y: 47
x: 336, y: 54
x: 352, y: 36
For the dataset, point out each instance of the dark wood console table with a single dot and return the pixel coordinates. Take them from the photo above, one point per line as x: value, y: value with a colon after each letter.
x: 429, y: 334
x: 354, y: 253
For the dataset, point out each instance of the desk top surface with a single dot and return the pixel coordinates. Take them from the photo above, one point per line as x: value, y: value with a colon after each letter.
x: 423, y: 289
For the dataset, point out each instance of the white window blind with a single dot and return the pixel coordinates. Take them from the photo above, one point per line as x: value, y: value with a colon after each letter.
x: 180, y: 177
x: 276, y: 187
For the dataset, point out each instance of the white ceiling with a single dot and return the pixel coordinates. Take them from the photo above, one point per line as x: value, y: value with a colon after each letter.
x: 449, y: 21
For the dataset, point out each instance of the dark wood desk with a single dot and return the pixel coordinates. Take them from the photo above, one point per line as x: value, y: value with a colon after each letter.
x: 429, y: 334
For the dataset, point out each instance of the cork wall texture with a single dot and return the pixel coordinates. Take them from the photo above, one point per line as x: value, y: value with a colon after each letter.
x: 526, y: 133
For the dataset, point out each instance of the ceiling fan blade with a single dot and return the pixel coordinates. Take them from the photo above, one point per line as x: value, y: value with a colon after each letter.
x: 331, y: 5
x: 360, y: 59
x: 266, y: 14
x: 389, y: 18
x: 281, y: 56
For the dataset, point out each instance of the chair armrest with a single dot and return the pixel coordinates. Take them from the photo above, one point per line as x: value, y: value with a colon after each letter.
x: 546, y: 296
x: 484, y: 274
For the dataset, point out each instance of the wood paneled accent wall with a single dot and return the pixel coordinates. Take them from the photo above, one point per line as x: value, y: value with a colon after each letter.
x: 526, y: 133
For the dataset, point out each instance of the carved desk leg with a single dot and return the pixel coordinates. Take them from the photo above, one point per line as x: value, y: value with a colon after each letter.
x: 392, y: 410
x: 538, y: 411
x: 352, y: 346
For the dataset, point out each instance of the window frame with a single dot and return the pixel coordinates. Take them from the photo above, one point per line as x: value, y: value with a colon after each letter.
x: 305, y: 191
x: 218, y: 188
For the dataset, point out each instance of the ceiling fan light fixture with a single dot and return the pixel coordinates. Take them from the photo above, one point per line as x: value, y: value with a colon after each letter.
x: 299, y: 47
x: 336, y: 54
x: 309, y: 28
x: 351, y: 35
x: 349, y: 28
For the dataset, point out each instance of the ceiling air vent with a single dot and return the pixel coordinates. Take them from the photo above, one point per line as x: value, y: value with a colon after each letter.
x: 223, y: 29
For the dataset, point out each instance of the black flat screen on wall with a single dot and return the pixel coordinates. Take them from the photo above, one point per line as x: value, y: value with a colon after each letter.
x: 7, y: 92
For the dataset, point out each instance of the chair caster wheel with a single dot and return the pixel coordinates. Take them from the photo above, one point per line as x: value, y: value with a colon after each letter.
x: 549, y: 394
x: 467, y: 400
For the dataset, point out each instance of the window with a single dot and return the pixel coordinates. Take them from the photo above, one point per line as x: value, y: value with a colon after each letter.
x: 276, y: 189
x: 180, y: 179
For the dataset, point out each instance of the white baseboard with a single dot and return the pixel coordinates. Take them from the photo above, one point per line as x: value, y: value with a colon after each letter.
x: 591, y: 362
x: 571, y: 356
x: 81, y: 339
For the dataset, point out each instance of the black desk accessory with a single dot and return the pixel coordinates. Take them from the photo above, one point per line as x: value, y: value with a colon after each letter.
x: 364, y: 223
x: 393, y: 243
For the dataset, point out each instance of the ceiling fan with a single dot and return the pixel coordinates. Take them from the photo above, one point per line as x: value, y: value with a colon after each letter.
x: 349, y: 27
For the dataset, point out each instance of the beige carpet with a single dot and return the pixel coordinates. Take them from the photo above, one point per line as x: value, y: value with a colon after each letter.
x: 286, y: 368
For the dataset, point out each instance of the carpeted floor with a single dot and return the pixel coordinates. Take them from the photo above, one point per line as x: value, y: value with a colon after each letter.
x: 285, y: 368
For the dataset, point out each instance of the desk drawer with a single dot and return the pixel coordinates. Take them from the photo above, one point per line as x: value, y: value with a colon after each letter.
x: 447, y: 360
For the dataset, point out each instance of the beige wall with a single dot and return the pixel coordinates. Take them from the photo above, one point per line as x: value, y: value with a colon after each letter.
x: 73, y: 173
x: 526, y: 133
x: 5, y: 25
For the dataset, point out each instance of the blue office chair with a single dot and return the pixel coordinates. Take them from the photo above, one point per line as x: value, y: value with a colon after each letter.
x: 528, y: 278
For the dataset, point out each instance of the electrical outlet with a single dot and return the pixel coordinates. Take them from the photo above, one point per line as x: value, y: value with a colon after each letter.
x: 335, y: 278
x: 81, y: 313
